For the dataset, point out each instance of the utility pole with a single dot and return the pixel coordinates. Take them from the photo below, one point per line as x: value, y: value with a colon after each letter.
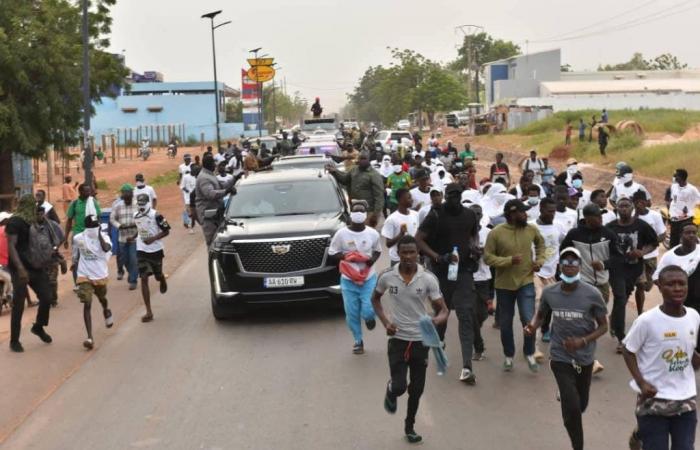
x: 471, y: 53
x: 211, y: 16
x: 260, y: 93
x: 87, y: 104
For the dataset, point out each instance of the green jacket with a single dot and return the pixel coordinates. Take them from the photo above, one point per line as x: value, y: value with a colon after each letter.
x: 503, y: 243
x: 365, y: 185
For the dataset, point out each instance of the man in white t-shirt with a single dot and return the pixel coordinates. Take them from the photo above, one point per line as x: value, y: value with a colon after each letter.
x: 684, y: 199
x: 656, y: 221
x: 536, y: 165
x: 660, y: 353
x: 402, y: 222
x: 187, y: 186
x: 626, y: 186
x: 421, y: 193
x: 356, y: 248
x: 687, y: 257
x: 183, y: 168
x: 600, y: 198
x: 92, y: 250
x: 143, y: 188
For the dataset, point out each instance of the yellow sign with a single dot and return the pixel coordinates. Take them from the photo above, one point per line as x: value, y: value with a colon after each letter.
x: 261, y: 74
x: 260, y: 61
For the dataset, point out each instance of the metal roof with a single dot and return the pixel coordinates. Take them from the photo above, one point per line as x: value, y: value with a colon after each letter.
x: 621, y: 86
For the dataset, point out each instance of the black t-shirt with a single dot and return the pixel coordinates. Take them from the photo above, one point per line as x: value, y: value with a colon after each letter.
x: 638, y: 234
x: 446, y: 231
x: 20, y: 228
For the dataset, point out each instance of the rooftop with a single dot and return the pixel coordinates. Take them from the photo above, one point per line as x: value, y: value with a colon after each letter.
x: 622, y: 86
x: 182, y: 87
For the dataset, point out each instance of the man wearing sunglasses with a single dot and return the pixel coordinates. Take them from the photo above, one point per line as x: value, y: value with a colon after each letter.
x: 578, y: 320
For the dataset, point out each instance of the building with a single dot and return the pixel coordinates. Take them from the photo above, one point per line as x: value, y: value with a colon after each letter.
x: 150, y: 104
x: 537, y: 80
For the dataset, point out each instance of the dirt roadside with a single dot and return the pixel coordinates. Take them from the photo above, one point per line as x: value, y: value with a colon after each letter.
x: 38, y: 372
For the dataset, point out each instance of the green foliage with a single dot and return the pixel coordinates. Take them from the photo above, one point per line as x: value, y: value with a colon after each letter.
x: 410, y: 83
x: 482, y: 48
x: 166, y: 179
x: 288, y: 109
x: 665, y: 61
x: 234, y: 111
x: 102, y: 185
x: 192, y: 141
x: 40, y: 80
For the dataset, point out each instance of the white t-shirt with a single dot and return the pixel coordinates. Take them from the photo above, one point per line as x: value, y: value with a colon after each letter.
x: 484, y: 272
x: 553, y: 235
x: 148, y: 190
x: 183, y: 168
x: 585, y: 199
x: 654, y: 219
x: 537, y: 167
x: 688, y: 262
x: 683, y: 197
x: 187, y: 185
x: 224, y: 179
x: 567, y: 220
x: 147, y: 225
x: 620, y: 190
x: 424, y: 212
x: 609, y: 216
x: 420, y: 198
x: 365, y: 242
x: 92, y: 263
x: 533, y: 213
x: 392, y: 228
x: 664, y: 347
x: 219, y: 157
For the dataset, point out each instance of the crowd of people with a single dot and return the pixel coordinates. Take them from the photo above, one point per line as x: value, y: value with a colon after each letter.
x: 529, y: 239
x: 546, y: 244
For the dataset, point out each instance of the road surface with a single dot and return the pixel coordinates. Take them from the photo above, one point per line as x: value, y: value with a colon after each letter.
x: 287, y: 380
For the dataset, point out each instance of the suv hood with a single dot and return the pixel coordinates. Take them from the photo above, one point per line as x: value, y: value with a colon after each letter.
x: 282, y: 226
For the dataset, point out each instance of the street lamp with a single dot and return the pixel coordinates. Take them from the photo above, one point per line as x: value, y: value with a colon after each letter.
x: 274, y: 101
x: 211, y: 16
x: 259, y: 89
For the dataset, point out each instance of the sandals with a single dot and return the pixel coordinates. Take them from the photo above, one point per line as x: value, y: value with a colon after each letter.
x: 109, y: 320
x: 147, y: 318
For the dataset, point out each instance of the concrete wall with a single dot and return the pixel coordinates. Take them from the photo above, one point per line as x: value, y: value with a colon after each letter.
x: 620, y: 101
x: 525, y: 72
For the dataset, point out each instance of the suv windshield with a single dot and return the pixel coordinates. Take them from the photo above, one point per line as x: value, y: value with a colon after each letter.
x: 399, y: 136
x: 284, y: 199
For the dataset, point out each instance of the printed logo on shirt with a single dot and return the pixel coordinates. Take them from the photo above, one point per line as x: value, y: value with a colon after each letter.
x: 670, y: 335
x: 393, y: 290
x: 677, y: 360
x: 567, y: 315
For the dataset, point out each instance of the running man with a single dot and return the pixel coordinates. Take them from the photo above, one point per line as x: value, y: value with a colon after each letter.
x: 408, y: 285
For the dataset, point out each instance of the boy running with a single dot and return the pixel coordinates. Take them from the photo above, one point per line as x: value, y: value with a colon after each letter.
x: 408, y: 285
x: 152, y: 227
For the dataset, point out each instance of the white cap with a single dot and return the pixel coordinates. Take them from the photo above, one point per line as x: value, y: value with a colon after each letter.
x: 4, y: 215
x: 570, y: 250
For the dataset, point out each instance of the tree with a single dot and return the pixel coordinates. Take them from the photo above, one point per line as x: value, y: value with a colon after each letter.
x: 287, y: 109
x: 665, y: 61
x: 40, y: 80
x: 234, y: 111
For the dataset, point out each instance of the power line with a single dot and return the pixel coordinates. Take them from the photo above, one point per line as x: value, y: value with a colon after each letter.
x: 629, y: 24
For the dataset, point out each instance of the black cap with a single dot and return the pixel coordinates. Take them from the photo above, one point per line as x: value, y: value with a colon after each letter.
x: 592, y: 209
x: 139, y: 176
x: 453, y: 188
x: 514, y: 205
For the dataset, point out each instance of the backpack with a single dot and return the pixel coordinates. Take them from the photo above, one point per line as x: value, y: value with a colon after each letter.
x: 41, y: 249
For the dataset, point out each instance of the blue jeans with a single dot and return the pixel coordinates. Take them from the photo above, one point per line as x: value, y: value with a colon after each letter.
x: 654, y: 431
x: 525, y: 298
x: 357, y: 301
x: 127, y: 253
x: 186, y: 217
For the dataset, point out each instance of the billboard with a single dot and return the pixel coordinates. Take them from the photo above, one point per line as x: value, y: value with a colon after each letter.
x: 249, y: 98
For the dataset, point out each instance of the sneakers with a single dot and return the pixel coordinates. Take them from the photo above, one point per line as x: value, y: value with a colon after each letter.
x: 546, y: 336
x: 109, y: 320
x: 597, y: 367
x: 132, y: 286
x: 120, y: 276
x: 16, y: 347
x: 89, y: 344
x: 532, y: 363
x: 191, y: 231
x: 39, y: 331
x: 412, y: 437
x: 508, y: 365
x: 467, y: 376
x: 371, y: 323
x: 389, y: 400
x: 358, y: 348
x: 479, y: 356
x: 539, y: 357
x: 163, y: 284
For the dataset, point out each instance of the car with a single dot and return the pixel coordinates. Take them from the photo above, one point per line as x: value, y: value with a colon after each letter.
x: 386, y: 138
x: 318, y: 162
x: 273, y: 245
x: 455, y: 119
x: 403, y: 124
x: 325, y: 147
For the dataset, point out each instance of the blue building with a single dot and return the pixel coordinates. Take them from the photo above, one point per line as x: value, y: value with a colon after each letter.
x: 190, y: 104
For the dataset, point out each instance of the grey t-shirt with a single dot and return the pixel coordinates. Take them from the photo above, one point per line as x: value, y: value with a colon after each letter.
x: 408, y: 301
x: 573, y: 315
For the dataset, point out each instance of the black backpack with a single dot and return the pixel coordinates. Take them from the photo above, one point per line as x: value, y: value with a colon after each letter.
x: 41, y: 248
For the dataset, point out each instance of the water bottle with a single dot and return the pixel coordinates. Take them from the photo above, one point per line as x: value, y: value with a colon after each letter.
x: 454, y: 267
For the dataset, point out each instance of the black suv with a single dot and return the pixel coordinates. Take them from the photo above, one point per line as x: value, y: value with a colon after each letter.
x: 273, y: 246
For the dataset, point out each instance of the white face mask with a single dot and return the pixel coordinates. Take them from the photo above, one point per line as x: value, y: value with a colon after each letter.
x: 532, y: 201
x: 397, y: 169
x: 572, y: 169
x: 626, y: 178
x: 140, y: 184
x: 91, y: 233
x: 358, y: 217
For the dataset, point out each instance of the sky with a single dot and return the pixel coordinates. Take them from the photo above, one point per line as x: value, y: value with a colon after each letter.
x: 324, y: 46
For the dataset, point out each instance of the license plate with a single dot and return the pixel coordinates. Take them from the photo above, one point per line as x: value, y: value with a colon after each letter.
x: 283, y: 282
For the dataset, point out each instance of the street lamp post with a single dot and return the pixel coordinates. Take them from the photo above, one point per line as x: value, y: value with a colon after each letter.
x: 87, y: 104
x: 211, y: 16
x: 274, y: 100
x: 258, y: 85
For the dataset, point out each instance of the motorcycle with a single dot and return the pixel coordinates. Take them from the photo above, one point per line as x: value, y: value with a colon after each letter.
x: 145, y: 149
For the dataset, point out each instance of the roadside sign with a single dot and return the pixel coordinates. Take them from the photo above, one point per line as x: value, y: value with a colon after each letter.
x: 260, y: 61
x: 261, y: 74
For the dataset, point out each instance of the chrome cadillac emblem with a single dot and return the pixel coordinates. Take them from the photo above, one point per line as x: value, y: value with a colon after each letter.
x: 280, y: 249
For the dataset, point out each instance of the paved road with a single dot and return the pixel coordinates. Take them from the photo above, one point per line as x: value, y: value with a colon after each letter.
x: 288, y: 380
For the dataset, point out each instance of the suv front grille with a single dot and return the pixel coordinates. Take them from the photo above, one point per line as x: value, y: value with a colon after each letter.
x: 281, y: 256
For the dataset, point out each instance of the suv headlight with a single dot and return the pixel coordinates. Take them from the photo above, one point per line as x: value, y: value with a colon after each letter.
x: 221, y: 246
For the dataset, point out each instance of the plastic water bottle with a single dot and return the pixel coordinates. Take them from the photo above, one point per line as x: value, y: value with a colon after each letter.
x: 454, y: 267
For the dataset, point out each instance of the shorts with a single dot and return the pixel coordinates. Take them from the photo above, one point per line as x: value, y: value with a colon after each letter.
x: 86, y: 289
x: 150, y: 263
x: 644, y: 279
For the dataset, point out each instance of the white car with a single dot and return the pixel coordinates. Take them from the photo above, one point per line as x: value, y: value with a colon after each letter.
x: 403, y: 124
x: 386, y: 138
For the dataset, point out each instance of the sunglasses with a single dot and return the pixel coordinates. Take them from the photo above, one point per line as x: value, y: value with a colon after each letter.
x: 570, y: 262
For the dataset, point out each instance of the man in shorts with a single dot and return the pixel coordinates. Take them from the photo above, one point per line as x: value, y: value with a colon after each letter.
x: 152, y: 227
x: 91, y: 251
